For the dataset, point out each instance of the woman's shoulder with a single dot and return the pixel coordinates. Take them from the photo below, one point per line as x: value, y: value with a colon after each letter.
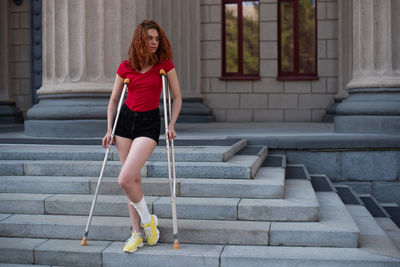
x: 124, y: 64
x: 166, y: 64
x: 124, y: 68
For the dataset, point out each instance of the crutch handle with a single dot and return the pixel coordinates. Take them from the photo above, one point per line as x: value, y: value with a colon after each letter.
x: 162, y: 72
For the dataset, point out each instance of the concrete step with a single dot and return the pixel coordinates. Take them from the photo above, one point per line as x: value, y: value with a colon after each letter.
x: 268, y: 183
x: 59, y: 168
x: 118, y: 229
x: 150, y: 187
x: 262, y: 256
x: 391, y: 230
x: 237, y: 167
x: 62, y: 204
x: 60, y: 252
x: 336, y: 228
x: 372, y: 236
x: 96, y: 153
x: 162, y: 255
x: 300, y: 204
x: 78, y: 185
x: 45, y: 184
x: 199, y: 208
x: 18, y: 250
x: 23, y: 203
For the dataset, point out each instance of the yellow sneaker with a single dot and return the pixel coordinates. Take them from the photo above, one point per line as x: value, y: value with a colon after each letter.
x: 135, y: 241
x: 151, y: 232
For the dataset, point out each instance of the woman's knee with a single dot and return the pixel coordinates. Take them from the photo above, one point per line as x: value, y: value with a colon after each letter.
x: 126, y: 181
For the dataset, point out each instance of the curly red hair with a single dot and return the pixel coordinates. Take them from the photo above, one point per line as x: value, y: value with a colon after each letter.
x: 140, y: 54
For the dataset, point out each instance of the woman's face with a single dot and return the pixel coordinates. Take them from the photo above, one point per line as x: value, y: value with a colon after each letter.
x: 154, y: 39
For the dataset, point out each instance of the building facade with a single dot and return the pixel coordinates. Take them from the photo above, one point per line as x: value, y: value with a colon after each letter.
x: 344, y: 45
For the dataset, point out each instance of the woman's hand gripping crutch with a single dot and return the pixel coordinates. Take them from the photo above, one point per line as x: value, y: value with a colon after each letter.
x: 172, y: 181
x: 121, y: 100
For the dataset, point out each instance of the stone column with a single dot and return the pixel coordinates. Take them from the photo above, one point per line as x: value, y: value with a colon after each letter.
x: 345, y: 47
x: 180, y: 19
x: 374, y: 88
x: 83, y: 43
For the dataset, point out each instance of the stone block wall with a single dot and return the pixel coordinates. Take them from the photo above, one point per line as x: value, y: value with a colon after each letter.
x: 19, y: 57
x: 367, y: 172
x: 268, y: 100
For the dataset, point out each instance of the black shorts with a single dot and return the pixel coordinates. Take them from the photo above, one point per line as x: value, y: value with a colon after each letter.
x: 132, y: 124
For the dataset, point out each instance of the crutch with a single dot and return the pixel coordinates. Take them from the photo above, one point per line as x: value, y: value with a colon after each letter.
x: 172, y: 181
x: 121, y: 99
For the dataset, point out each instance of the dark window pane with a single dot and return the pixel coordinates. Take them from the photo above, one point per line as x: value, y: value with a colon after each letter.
x: 250, y: 37
x: 287, y: 37
x: 307, y: 36
x: 231, y: 38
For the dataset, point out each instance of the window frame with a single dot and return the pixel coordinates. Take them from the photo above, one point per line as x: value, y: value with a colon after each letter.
x: 238, y: 75
x: 295, y: 75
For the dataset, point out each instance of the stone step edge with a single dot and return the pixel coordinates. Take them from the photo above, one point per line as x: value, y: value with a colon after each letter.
x: 32, y: 168
x: 235, y: 208
x: 185, y: 186
x: 256, y: 162
x: 372, y: 235
x: 277, y: 233
x: 108, y: 253
x: 42, y: 204
x: 225, y: 154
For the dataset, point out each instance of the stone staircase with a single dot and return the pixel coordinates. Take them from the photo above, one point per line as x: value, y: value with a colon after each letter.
x: 236, y: 205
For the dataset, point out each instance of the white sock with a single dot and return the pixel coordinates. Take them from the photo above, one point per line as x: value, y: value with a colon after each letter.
x: 143, y: 211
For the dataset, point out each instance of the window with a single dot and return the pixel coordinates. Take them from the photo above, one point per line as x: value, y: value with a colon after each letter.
x: 297, y: 40
x: 240, y: 39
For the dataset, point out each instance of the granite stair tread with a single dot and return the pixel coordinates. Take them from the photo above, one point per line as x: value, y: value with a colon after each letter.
x: 95, y: 153
x: 300, y: 204
x: 27, y: 251
x: 241, y: 167
x: 268, y: 183
x: 334, y: 230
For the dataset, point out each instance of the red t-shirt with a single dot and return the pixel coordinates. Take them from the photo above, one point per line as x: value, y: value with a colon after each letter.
x: 144, y: 89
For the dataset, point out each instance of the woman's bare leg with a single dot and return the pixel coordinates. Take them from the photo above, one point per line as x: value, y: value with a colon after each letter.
x: 123, y: 146
x: 133, y: 155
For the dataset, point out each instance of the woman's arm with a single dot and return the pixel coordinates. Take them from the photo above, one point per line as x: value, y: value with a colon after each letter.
x: 177, y: 101
x: 112, y: 108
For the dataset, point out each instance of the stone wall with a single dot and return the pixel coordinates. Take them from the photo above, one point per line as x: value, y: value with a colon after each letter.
x: 367, y: 172
x: 269, y: 100
x: 19, y: 54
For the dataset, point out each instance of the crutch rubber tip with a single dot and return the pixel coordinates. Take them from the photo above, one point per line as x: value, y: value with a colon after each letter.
x: 162, y: 72
x: 176, y: 244
x: 127, y: 81
x: 84, y: 242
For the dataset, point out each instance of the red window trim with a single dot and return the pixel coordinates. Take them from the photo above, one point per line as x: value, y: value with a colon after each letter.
x: 239, y: 75
x: 296, y: 75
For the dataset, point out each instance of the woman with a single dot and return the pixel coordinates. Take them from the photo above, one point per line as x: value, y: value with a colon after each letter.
x: 138, y: 127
